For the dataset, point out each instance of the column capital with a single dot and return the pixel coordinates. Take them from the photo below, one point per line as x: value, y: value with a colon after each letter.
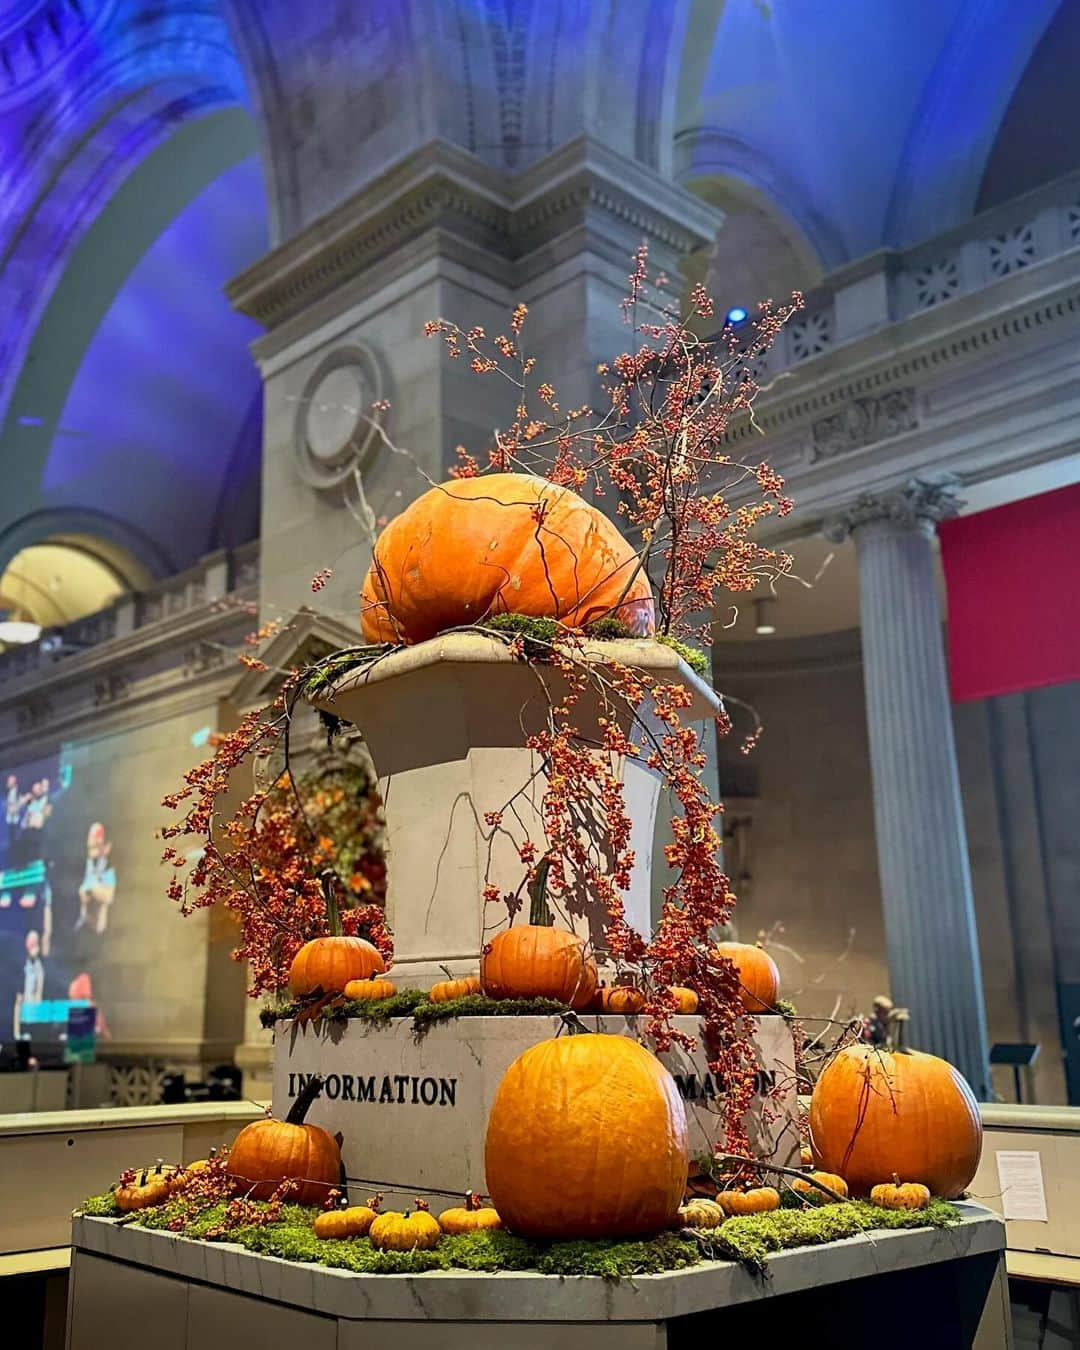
x: 919, y: 504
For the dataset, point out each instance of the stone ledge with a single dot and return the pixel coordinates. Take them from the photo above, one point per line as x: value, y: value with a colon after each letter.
x: 527, y: 1296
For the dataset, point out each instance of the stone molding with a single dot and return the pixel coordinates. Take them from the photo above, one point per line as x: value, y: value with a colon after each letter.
x: 583, y: 186
x: 39, y: 35
x: 864, y: 421
x: 919, y: 504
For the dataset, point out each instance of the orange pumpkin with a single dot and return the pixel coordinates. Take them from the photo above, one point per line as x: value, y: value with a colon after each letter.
x: 587, y: 1139
x: 807, y: 1188
x: 150, y: 1186
x: 370, y: 990
x: 873, y: 1114
x: 758, y: 975
x: 327, y: 964
x: 760, y: 1200
x: 345, y: 1223
x: 450, y: 988
x: 686, y: 1000
x: 473, y: 547
x: 621, y: 998
x: 268, y: 1152
x: 900, y: 1195
x: 396, y: 1232
x: 470, y: 1217
x: 535, y: 960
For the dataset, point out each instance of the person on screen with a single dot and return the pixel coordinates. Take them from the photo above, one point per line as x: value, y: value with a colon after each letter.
x: 13, y: 805
x: 37, y: 806
x: 81, y: 987
x: 98, y: 889
x: 33, y: 986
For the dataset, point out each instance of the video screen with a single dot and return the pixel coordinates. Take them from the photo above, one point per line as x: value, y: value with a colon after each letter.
x: 58, y: 882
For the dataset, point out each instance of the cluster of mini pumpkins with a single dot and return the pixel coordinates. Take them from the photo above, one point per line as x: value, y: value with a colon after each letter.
x: 154, y: 1185
x: 402, y: 1232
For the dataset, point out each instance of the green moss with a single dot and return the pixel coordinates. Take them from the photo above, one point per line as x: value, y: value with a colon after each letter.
x: 331, y: 668
x: 786, y: 1008
x: 619, y: 1260
x: 697, y: 660
x: 608, y: 629
x: 402, y: 1004
x: 426, y: 1014
x: 489, y: 1251
x: 99, y: 1207
x: 753, y: 1238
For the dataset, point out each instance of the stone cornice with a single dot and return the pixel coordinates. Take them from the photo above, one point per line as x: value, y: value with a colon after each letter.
x: 582, y: 186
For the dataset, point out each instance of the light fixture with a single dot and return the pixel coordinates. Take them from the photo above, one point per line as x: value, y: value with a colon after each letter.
x: 18, y: 632
x: 763, y: 624
x: 735, y: 316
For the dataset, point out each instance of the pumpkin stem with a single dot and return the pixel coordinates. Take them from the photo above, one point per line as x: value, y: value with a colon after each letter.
x: 307, y: 1095
x: 333, y: 914
x: 539, y: 910
x: 472, y: 1200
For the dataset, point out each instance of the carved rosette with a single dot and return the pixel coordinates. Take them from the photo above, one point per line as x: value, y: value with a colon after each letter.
x: 335, y: 436
x: 919, y: 504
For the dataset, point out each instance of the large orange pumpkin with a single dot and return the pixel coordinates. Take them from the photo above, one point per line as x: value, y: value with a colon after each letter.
x: 587, y: 1139
x: 535, y: 960
x: 268, y: 1152
x: 474, y: 547
x: 874, y: 1114
x: 758, y: 975
x: 330, y: 963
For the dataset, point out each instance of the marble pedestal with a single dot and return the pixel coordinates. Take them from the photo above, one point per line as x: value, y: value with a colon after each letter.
x: 413, y: 1109
x: 937, y: 1289
x: 446, y: 723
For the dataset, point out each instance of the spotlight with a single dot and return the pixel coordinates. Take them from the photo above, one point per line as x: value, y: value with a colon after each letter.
x: 735, y: 316
x: 17, y: 632
x: 763, y: 624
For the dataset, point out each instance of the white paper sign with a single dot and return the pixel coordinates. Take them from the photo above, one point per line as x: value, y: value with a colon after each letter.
x: 1021, y: 1180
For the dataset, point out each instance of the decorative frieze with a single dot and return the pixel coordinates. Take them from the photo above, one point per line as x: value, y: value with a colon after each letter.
x: 864, y: 421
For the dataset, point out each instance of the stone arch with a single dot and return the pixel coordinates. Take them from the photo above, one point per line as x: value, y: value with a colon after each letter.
x: 132, y: 555
x: 974, y: 78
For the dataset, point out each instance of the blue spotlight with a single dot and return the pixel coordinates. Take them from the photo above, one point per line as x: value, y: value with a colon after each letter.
x: 735, y: 316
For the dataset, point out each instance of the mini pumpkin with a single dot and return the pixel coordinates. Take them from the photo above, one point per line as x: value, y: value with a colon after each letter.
x: 327, y: 964
x: 345, y: 1223
x: 804, y: 1186
x: 806, y: 1156
x: 621, y: 998
x: 450, y: 988
x: 396, y: 1232
x: 472, y: 547
x: 701, y: 1213
x: 760, y: 1200
x: 469, y: 1217
x: 759, y: 978
x: 686, y: 1000
x: 147, y: 1187
x: 369, y: 990
x: 268, y: 1152
x: 536, y: 960
x: 900, y: 1195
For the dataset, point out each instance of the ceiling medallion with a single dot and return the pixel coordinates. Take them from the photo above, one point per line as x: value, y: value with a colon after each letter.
x: 38, y: 35
x: 335, y: 436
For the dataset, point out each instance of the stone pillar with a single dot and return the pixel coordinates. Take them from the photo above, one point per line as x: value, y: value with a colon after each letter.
x: 926, y: 893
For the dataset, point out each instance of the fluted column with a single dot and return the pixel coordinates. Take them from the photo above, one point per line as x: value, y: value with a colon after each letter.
x: 926, y: 893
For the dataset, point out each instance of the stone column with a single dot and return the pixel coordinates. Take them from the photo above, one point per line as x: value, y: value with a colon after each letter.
x: 926, y: 893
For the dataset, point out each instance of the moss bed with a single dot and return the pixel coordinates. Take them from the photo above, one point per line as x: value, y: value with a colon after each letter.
x: 415, y: 1004
x: 750, y: 1239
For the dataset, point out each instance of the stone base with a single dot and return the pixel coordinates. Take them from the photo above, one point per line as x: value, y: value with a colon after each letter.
x: 413, y: 1109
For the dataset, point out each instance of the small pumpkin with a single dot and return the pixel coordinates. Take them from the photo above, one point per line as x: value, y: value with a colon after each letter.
x: 701, y: 1213
x: 268, y: 1152
x: 470, y: 1217
x: 189, y: 1172
x: 900, y: 1195
x: 587, y: 1139
x: 758, y: 976
x: 327, y: 964
x: 806, y: 1156
x: 354, y: 1221
x: 805, y: 1187
x: 472, y: 547
x: 621, y: 998
x: 149, y: 1186
x: 759, y: 1200
x: 686, y: 1000
x: 396, y: 1232
x: 450, y: 988
x: 876, y: 1114
x: 536, y: 960
x: 369, y: 990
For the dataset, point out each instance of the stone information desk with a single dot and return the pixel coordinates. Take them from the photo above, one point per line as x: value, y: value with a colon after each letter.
x: 930, y: 1289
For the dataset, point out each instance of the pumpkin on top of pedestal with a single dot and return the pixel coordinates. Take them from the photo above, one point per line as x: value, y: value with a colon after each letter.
x: 759, y: 979
x: 537, y: 960
x: 325, y: 965
x: 587, y: 1138
x: 875, y: 1114
x: 500, y: 543
x: 268, y: 1152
